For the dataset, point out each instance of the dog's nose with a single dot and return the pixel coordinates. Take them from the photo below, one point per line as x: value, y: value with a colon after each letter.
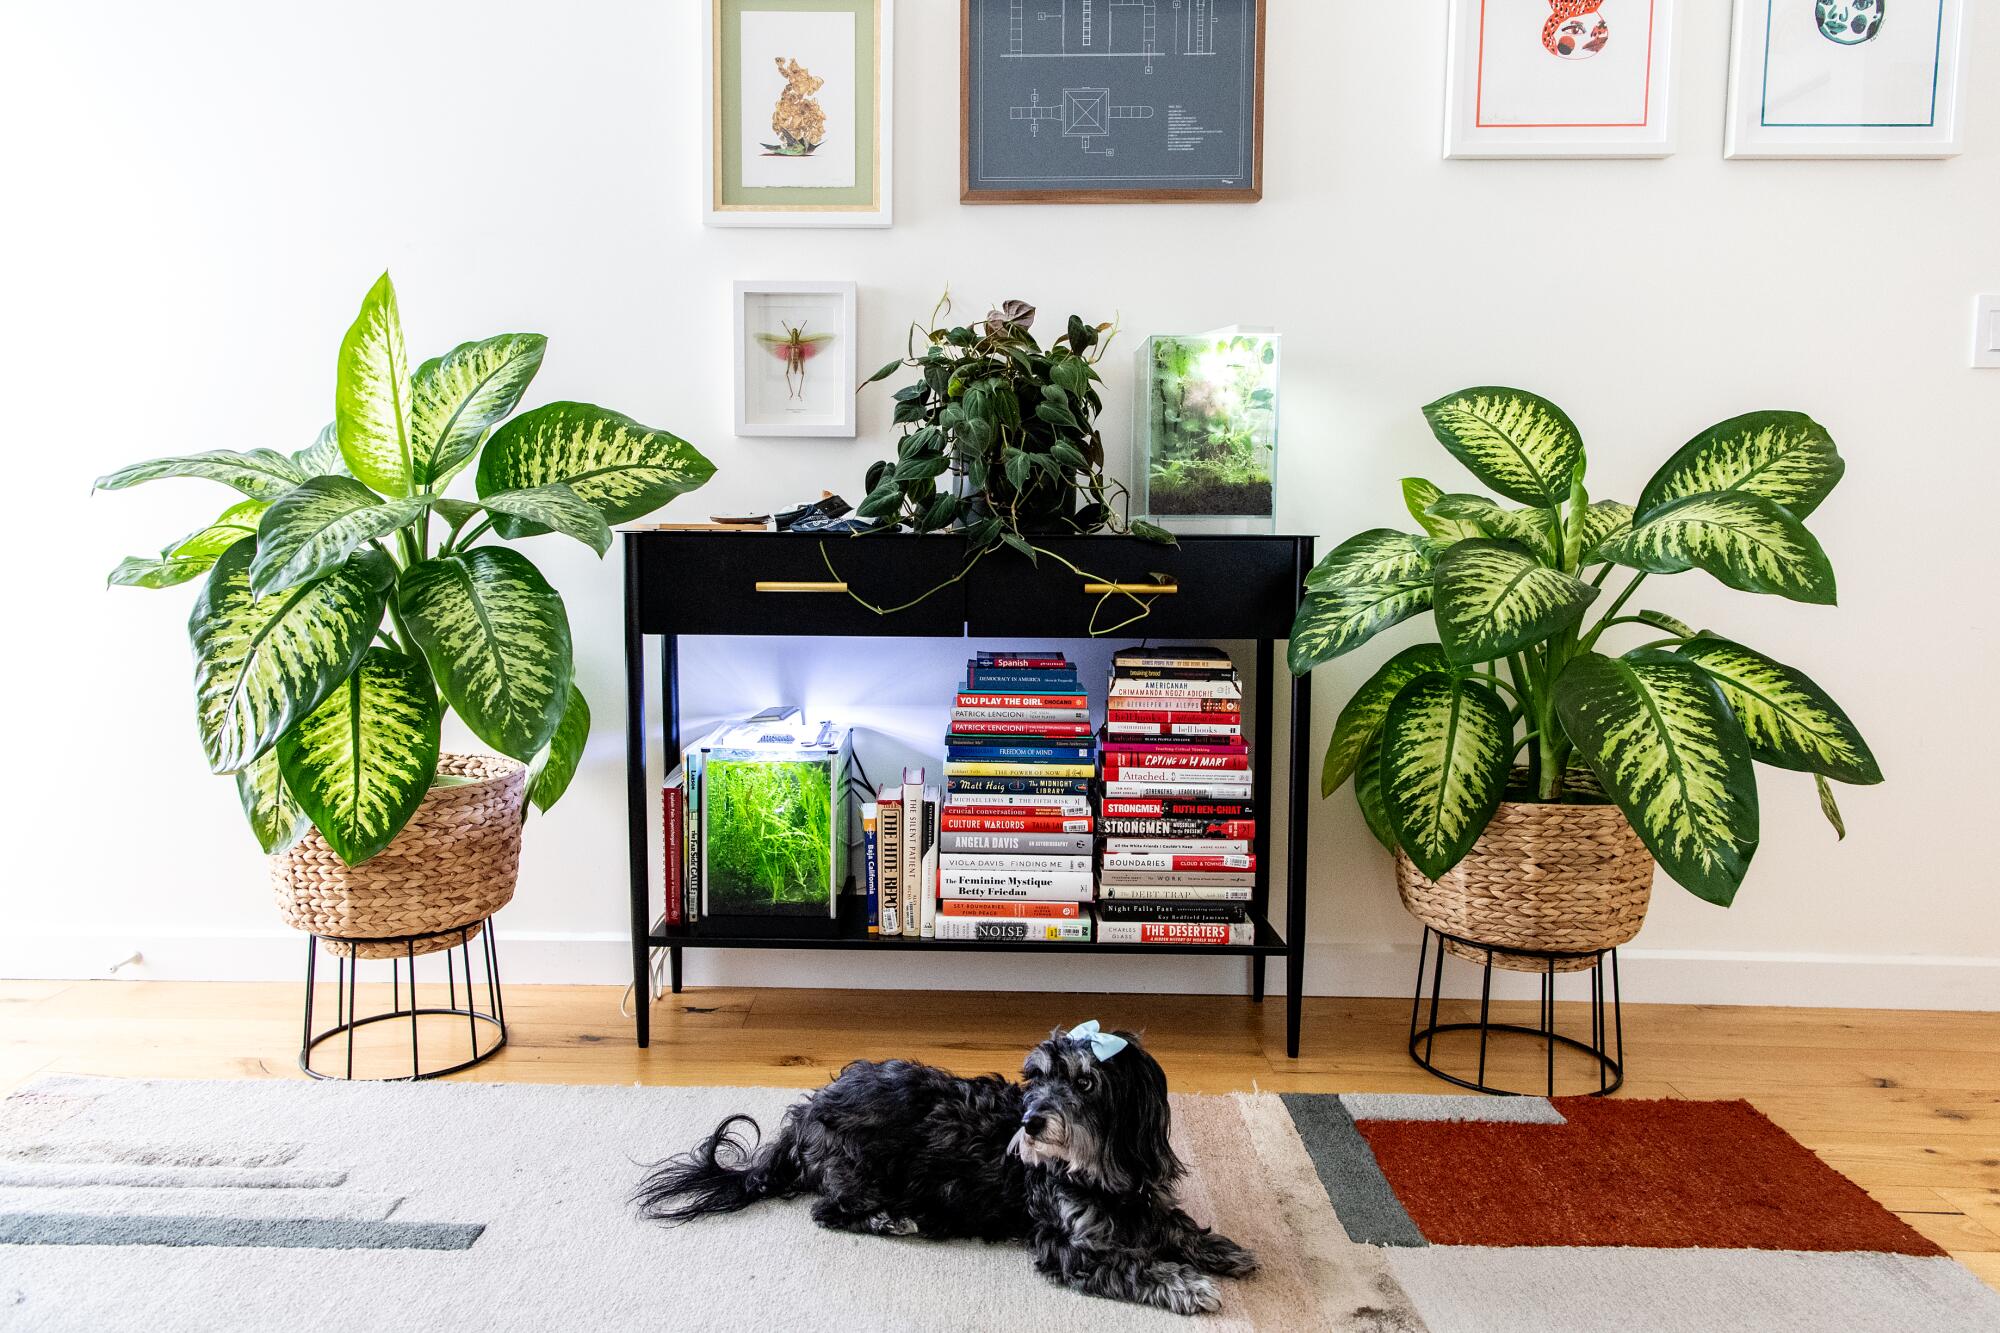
x: 1035, y: 1124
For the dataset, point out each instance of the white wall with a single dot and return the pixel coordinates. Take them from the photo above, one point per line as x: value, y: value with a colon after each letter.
x: 197, y: 195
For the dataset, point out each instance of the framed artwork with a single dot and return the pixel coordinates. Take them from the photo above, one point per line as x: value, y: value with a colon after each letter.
x: 1846, y: 78
x: 1560, y: 78
x: 1111, y: 101
x: 798, y: 101
x: 795, y: 358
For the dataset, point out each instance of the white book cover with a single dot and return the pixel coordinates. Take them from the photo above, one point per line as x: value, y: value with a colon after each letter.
x: 1205, y: 791
x: 913, y: 853
x: 1013, y: 928
x: 1069, y: 805
x: 1127, y: 687
x: 1176, y: 893
x: 1177, y: 777
x: 991, y: 886
x: 927, y: 914
x: 1030, y: 864
x: 1178, y: 846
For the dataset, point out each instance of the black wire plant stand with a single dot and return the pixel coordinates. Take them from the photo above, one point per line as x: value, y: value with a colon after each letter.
x: 348, y: 1019
x: 1605, y: 1036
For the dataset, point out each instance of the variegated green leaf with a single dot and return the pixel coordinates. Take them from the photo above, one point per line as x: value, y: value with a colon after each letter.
x: 262, y: 663
x: 554, y: 508
x: 1661, y: 620
x: 1790, y: 721
x: 275, y: 818
x: 1747, y: 541
x: 1603, y: 521
x: 549, y: 776
x: 1830, y: 807
x: 1342, y: 619
x: 1493, y: 598
x: 465, y: 393
x: 1533, y: 528
x: 1381, y: 555
x: 360, y: 763
x: 1361, y: 720
x: 622, y: 468
x: 1418, y: 497
x: 1786, y: 457
x: 262, y: 474
x: 1518, y: 443
x: 195, y: 554
x: 318, y: 525
x: 1446, y: 750
x: 1368, y: 792
x: 1656, y: 731
x: 371, y: 398
x: 322, y: 457
x: 498, y: 639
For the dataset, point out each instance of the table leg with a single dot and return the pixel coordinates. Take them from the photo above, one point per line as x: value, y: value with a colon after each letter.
x: 638, y: 809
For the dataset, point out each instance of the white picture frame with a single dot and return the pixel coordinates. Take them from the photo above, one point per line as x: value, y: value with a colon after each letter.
x: 1897, y: 93
x: 727, y: 202
x: 782, y: 389
x: 1595, y: 80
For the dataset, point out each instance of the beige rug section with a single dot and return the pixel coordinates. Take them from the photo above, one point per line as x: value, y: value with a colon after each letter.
x: 545, y: 1172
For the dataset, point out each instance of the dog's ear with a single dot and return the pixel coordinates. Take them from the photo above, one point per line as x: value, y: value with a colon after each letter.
x: 1139, y: 1144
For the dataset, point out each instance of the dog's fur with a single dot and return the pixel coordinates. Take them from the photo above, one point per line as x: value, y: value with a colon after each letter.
x: 1074, y: 1160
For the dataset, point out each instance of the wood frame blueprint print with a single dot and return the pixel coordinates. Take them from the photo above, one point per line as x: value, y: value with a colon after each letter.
x: 798, y: 110
x: 1847, y: 78
x: 1560, y: 78
x: 1111, y: 101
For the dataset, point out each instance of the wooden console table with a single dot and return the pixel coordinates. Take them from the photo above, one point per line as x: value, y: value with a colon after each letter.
x: 681, y: 583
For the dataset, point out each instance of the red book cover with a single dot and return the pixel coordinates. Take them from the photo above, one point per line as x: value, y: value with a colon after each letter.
x: 1024, y: 661
x: 1155, y: 861
x: 1161, y: 724
x: 1176, y: 807
x: 1237, y: 762
x: 1169, y: 932
x: 968, y: 732
x: 952, y: 820
x: 1191, y: 746
x: 1139, y: 703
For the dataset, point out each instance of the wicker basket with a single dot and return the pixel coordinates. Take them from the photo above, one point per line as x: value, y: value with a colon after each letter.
x: 1561, y: 878
x: 452, y: 866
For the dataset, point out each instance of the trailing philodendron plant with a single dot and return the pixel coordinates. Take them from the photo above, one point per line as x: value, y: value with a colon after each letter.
x: 1669, y: 729
x: 332, y: 631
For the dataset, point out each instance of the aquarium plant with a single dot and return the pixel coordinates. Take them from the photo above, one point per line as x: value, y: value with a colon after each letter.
x: 773, y: 821
x: 1208, y: 449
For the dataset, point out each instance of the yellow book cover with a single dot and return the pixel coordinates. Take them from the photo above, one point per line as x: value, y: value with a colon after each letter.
x: 973, y: 768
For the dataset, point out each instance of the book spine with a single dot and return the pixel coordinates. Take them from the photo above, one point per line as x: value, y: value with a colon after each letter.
x: 984, y: 714
x: 1001, y: 727
x: 1118, y: 728
x: 1025, y: 661
x: 889, y: 877
x: 1016, y: 844
x: 1072, y: 886
x: 1177, y: 846
x: 1218, y: 913
x: 913, y: 853
x: 953, y: 821
x: 871, y: 866
x: 1171, y: 893
x: 927, y: 915
x: 1121, y: 861
x: 1163, y: 879
x: 982, y: 679
x: 1012, y: 863
x: 696, y: 841
x: 1175, y: 807
x: 1020, y: 786
x: 672, y: 815
x: 1019, y: 754
x: 968, y: 699
x: 997, y: 804
x: 1019, y: 911
x: 1185, y: 787
x: 1123, y: 671
x: 1142, y: 661
x: 991, y: 928
x: 1176, y: 689
x: 1152, y: 774
x: 1173, y: 932
x: 1178, y: 828
x: 1116, y: 764
x: 980, y: 768
x: 1173, y: 710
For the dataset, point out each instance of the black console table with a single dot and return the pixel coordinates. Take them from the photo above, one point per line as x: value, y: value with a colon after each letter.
x: 1210, y: 587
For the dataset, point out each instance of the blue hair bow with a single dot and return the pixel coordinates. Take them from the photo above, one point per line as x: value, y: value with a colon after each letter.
x: 1103, y: 1044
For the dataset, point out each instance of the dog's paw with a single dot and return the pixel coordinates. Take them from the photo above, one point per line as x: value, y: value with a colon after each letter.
x: 1184, y: 1291
x: 884, y: 1225
x: 1225, y: 1258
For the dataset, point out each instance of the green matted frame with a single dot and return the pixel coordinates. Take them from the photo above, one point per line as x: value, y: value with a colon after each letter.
x: 726, y: 201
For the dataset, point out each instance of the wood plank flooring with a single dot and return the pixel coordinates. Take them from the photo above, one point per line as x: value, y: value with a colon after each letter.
x: 1905, y: 1103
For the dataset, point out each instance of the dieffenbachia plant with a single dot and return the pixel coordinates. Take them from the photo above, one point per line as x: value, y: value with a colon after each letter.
x: 1668, y: 730
x: 332, y: 632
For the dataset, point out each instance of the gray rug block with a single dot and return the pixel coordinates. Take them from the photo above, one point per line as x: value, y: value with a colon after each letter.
x: 289, y: 1233
x: 1471, y: 1108
x: 1361, y: 1196
x: 1482, y: 1289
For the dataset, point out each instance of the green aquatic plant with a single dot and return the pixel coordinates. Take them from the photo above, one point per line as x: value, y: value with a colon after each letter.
x: 770, y: 836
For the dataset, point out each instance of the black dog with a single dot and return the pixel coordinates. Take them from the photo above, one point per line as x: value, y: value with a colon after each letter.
x: 1074, y: 1159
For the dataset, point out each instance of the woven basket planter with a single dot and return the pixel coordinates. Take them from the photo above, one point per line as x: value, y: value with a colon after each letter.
x: 452, y: 866
x: 1554, y: 878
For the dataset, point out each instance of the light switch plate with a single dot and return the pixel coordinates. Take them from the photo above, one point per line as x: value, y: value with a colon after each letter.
x: 1986, y: 332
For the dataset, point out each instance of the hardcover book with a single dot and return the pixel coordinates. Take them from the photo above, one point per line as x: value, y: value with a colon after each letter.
x: 1015, y: 911
x: 1217, y: 893
x: 1069, y: 886
x: 1019, y: 862
x: 1016, y: 844
x: 1174, y: 932
x: 1217, y: 846
x: 1114, y: 826
x: 1165, y: 879
x: 1178, y: 807
x: 1000, y: 928
x: 1217, y: 913
x: 1197, y: 788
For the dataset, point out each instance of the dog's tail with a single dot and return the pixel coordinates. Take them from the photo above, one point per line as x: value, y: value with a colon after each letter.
x: 721, y: 1174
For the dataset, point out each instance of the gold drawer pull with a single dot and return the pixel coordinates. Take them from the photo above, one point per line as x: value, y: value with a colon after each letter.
x: 1135, y: 589
x: 785, y: 585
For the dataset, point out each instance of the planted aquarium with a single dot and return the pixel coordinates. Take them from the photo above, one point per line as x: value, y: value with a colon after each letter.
x: 1208, y: 444
x: 773, y: 825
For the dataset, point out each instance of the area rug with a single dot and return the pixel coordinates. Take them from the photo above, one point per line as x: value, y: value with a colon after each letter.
x: 295, y: 1206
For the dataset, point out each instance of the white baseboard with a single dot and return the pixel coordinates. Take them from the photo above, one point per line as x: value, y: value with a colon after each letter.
x: 1660, y: 976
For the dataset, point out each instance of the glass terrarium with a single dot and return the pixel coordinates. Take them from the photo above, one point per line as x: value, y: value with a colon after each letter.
x: 773, y: 820
x: 1208, y: 442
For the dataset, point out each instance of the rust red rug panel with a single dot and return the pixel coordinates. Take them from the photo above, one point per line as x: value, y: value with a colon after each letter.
x: 1656, y: 1174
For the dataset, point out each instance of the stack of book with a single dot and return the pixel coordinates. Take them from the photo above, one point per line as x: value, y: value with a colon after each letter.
x: 1015, y: 848
x: 1178, y: 818
x: 899, y: 838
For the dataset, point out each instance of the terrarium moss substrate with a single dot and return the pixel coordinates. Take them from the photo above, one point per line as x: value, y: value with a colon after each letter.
x: 769, y: 838
x: 1212, y: 425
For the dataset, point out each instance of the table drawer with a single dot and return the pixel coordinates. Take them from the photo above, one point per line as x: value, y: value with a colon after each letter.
x: 1205, y: 588
x: 773, y: 583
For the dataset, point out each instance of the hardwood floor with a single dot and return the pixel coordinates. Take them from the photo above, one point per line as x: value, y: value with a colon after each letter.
x: 1905, y: 1103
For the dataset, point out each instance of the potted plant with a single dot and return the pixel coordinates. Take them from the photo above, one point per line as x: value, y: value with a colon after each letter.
x: 348, y: 602
x: 1013, y: 425
x: 1520, y: 767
